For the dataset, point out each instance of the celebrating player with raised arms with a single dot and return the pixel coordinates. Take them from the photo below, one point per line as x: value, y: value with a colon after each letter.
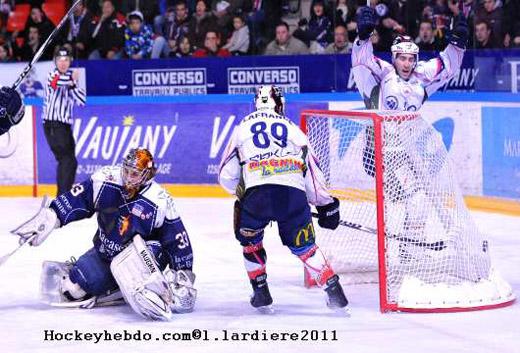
x: 271, y: 168
x: 406, y: 83
x: 140, y: 247
x: 11, y: 109
x: 403, y: 85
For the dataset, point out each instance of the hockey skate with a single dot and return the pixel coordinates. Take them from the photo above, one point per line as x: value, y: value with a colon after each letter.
x: 57, y: 290
x: 261, y: 298
x: 336, y: 299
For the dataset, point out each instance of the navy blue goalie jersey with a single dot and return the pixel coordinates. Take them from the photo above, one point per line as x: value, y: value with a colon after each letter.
x: 151, y: 214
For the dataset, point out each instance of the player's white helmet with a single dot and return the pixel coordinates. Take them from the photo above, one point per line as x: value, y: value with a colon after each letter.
x: 270, y: 97
x: 404, y: 45
x: 138, y: 168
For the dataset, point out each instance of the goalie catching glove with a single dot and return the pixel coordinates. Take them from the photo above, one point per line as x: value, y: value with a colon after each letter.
x: 328, y: 215
x: 38, y: 228
x: 181, y: 286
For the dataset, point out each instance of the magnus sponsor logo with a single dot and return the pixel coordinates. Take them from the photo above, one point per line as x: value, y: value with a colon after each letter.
x: 276, y: 166
x: 169, y: 82
x: 100, y: 144
x: 246, y: 80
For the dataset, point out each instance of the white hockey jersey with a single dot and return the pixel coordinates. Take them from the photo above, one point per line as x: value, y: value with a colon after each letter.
x: 382, y: 88
x: 267, y: 148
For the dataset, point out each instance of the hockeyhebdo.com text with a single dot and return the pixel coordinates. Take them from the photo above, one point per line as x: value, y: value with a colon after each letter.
x: 194, y: 335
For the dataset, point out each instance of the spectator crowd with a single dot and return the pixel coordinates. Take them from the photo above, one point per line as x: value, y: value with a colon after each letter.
x: 142, y: 29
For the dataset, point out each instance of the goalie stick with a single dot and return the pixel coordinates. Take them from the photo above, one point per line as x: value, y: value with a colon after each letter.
x: 44, y: 46
x: 436, y: 246
x: 4, y: 258
x: 112, y: 298
x: 22, y: 240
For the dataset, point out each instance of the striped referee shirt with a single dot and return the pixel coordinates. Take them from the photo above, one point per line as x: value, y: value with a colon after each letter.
x: 61, y: 93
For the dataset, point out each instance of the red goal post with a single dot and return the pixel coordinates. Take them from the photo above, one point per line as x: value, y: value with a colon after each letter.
x: 405, y: 224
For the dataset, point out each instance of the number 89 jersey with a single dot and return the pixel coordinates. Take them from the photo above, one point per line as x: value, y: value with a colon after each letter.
x: 268, y: 148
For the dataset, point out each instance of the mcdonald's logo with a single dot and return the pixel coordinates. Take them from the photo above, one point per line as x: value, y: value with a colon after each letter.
x: 305, y: 235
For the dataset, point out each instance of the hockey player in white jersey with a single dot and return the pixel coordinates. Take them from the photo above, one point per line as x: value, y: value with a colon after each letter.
x: 140, y: 246
x: 405, y: 83
x: 271, y: 168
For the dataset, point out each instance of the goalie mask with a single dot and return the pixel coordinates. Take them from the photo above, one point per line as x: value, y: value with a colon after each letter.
x: 404, y: 45
x: 270, y: 97
x: 137, y: 170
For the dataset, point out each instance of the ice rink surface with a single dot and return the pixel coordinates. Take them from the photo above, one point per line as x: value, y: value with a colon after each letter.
x: 223, y: 294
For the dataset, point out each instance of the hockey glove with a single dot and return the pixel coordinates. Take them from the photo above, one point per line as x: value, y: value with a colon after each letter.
x: 181, y: 286
x: 328, y: 215
x: 11, y: 107
x: 460, y: 33
x: 38, y: 228
x: 366, y: 22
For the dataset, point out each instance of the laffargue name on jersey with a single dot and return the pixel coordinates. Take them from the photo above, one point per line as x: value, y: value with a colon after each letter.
x: 260, y: 114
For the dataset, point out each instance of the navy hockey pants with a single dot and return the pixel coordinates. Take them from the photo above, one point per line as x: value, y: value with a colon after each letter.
x: 286, y: 205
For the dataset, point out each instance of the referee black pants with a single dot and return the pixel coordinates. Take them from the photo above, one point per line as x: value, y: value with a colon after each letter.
x: 62, y: 144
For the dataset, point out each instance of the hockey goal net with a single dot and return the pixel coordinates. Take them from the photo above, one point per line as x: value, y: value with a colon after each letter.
x: 404, y: 221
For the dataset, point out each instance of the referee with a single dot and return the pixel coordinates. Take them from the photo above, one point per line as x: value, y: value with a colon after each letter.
x: 61, y: 92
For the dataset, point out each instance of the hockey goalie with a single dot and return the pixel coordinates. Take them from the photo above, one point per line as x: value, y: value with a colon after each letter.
x: 141, y: 253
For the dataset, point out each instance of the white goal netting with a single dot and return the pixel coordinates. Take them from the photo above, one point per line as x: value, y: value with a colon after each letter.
x: 392, y: 173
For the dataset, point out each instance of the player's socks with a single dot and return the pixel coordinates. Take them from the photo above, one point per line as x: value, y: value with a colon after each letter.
x: 255, y: 259
x: 320, y: 270
x: 317, y: 266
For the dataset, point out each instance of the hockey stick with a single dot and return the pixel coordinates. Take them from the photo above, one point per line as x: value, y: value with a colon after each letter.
x: 4, y: 258
x: 44, y: 46
x: 113, y: 298
x: 22, y: 240
x: 436, y: 246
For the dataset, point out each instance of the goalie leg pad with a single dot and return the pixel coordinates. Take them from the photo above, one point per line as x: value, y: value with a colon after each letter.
x: 141, y: 281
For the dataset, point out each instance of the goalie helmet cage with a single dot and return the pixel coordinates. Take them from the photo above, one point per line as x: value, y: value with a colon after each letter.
x: 405, y: 224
